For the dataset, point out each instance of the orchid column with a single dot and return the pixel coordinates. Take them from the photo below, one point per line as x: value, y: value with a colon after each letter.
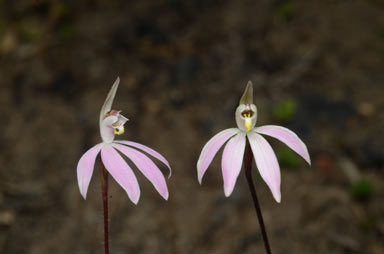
x: 111, y: 123
x: 247, y: 137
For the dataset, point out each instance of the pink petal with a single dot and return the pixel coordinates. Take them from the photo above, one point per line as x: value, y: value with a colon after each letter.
x: 121, y: 172
x: 210, y: 149
x: 266, y: 162
x: 232, y: 160
x: 147, y: 167
x: 149, y: 151
x: 288, y: 137
x: 85, y: 168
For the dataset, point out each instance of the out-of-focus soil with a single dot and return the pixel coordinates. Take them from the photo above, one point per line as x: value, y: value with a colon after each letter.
x: 183, y: 66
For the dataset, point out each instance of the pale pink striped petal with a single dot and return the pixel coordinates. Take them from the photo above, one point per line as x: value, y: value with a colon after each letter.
x: 288, y: 137
x: 149, y: 151
x: 210, y: 149
x: 147, y: 167
x: 266, y: 162
x: 121, y: 172
x: 232, y: 160
x: 85, y: 168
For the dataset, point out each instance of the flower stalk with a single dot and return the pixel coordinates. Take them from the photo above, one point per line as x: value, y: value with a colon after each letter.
x: 248, y: 157
x: 104, y: 192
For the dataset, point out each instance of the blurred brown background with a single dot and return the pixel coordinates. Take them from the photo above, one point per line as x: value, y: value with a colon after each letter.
x: 317, y: 68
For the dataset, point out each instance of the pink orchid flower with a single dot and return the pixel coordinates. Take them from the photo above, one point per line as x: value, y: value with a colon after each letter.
x: 265, y: 158
x: 111, y: 124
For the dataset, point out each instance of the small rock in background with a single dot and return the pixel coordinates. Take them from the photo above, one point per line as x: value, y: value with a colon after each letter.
x: 8, y: 43
x: 366, y: 109
x: 7, y: 217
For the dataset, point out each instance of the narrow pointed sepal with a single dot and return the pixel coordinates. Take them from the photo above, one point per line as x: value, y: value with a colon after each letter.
x: 149, y: 151
x: 266, y: 163
x: 288, y: 137
x: 147, y: 167
x: 85, y: 168
x: 211, y: 148
x: 247, y: 97
x: 121, y: 172
x: 231, y: 162
x: 107, y: 106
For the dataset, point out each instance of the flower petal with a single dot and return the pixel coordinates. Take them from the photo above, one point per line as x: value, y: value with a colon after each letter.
x: 288, y: 137
x: 266, y: 162
x: 210, y: 149
x: 148, y: 150
x: 147, y: 167
x: 107, y: 106
x: 232, y: 160
x: 85, y: 168
x: 121, y: 172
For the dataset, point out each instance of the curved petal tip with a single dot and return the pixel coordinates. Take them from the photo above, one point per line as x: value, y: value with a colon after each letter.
x: 200, y: 179
x: 135, y: 201
x: 277, y: 196
x: 228, y: 191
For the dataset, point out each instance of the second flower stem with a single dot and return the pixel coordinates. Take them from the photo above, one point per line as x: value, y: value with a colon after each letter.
x: 104, y: 191
x: 248, y: 157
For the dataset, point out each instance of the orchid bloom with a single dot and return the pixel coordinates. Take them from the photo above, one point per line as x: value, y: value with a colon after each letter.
x: 111, y: 124
x: 265, y: 158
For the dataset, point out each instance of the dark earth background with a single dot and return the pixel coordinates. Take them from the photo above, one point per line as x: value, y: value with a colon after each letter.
x: 317, y: 68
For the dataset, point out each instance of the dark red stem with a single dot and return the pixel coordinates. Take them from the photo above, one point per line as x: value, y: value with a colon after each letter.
x: 104, y: 191
x: 248, y: 157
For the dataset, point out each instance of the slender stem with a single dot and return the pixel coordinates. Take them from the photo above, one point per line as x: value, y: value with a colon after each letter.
x: 248, y: 157
x: 104, y: 191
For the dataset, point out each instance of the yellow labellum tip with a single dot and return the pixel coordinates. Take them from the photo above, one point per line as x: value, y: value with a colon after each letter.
x: 248, y: 124
x: 119, y: 130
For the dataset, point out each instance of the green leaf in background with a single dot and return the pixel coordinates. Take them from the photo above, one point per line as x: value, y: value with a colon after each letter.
x: 362, y: 189
x: 285, y: 110
x: 288, y: 158
x: 31, y: 29
x: 381, y: 34
x: 66, y: 30
x: 65, y: 24
x: 286, y: 10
